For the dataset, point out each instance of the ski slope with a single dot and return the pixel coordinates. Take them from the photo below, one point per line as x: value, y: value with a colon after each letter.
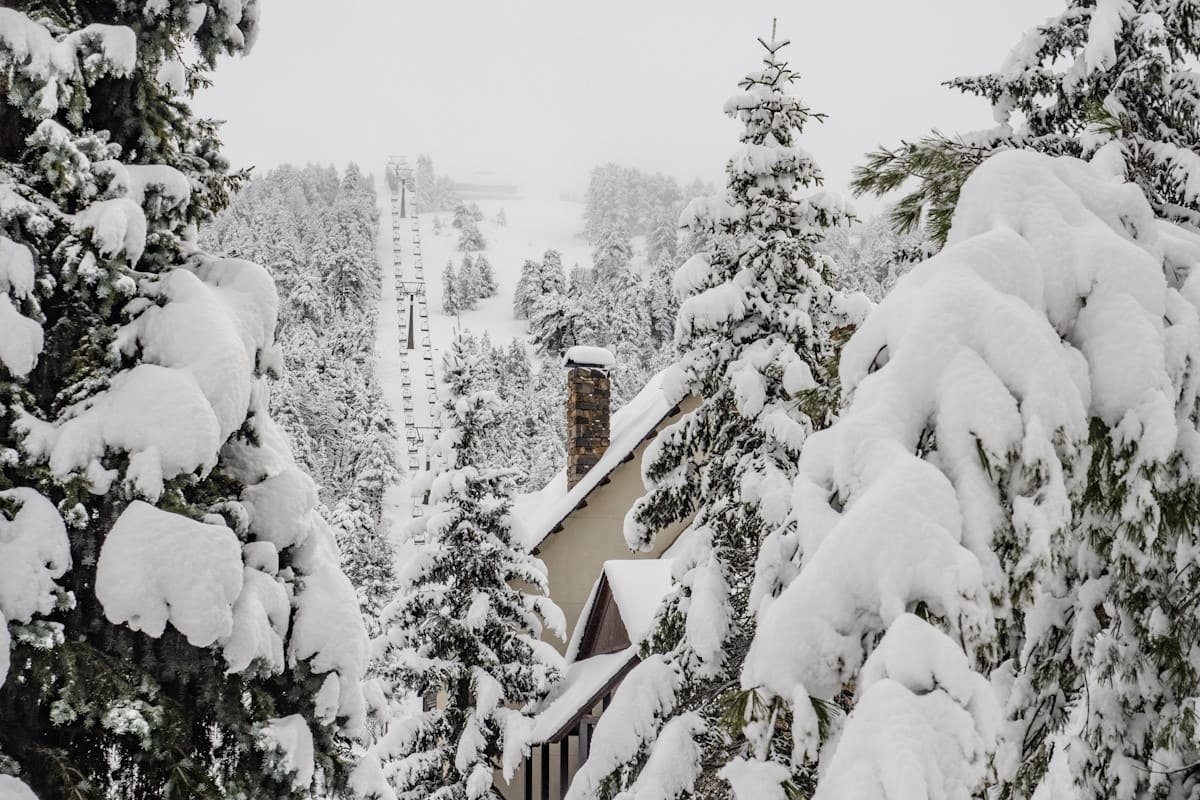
x: 534, y: 224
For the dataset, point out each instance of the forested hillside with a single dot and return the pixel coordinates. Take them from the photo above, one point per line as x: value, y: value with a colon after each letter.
x: 315, y: 231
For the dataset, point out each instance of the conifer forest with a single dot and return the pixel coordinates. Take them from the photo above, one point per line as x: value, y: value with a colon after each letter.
x: 528, y: 401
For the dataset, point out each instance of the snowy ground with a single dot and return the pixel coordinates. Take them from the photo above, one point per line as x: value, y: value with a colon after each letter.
x: 534, y: 225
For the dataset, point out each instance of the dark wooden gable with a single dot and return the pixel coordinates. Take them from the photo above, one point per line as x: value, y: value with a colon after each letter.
x: 604, y: 631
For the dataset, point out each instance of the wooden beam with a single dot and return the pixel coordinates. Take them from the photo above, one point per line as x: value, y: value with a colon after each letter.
x: 545, y: 770
x: 529, y: 777
x: 564, y: 766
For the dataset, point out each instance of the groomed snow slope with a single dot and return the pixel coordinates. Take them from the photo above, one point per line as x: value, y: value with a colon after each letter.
x: 534, y: 225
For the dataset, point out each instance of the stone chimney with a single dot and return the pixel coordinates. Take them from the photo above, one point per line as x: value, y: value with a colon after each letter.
x: 588, y: 409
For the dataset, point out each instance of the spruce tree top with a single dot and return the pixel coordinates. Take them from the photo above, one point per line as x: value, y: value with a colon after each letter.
x: 1098, y: 73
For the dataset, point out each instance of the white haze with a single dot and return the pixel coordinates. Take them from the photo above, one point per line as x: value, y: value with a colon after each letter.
x: 540, y: 91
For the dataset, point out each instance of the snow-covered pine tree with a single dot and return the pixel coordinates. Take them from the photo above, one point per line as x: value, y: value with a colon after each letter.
x: 329, y: 400
x: 1013, y: 504
x: 161, y: 556
x: 348, y: 257
x: 871, y: 255
x: 753, y: 331
x: 551, y: 278
x: 527, y: 290
x: 603, y: 204
x: 468, y: 284
x: 459, y: 626
x: 451, y: 301
x: 663, y: 240
x: 471, y: 240
x: 555, y: 323
x: 612, y: 253
x: 486, y: 277
x: 461, y: 215
x: 620, y: 321
x: 1099, y: 72
x: 662, y: 304
x: 538, y: 279
x: 426, y: 185
x: 367, y: 556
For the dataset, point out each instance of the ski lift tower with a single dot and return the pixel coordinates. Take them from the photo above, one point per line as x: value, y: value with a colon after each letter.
x: 401, y: 181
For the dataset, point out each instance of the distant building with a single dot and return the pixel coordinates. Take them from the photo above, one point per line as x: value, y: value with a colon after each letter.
x: 484, y: 186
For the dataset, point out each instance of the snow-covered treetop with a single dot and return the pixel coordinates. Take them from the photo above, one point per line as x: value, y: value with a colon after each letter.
x: 1100, y: 71
x: 769, y: 168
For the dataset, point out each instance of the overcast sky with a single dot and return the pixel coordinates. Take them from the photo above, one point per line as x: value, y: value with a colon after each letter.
x: 540, y: 91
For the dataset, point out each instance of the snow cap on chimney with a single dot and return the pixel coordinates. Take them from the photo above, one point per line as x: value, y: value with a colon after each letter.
x: 588, y: 408
x: 584, y: 356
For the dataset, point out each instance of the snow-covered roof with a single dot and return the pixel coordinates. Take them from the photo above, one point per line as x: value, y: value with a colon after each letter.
x: 542, y: 511
x: 638, y: 587
x: 580, y: 689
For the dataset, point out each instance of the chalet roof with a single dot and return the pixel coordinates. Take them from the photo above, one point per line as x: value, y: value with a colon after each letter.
x: 584, y: 684
x: 636, y: 588
x: 542, y: 512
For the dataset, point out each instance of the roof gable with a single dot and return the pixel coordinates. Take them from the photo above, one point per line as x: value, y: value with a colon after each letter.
x: 621, y: 608
x: 603, y: 631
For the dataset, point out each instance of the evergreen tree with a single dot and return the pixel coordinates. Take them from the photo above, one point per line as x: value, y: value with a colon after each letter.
x: 611, y: 254
x: 551, y: 278
x: 426, y: 184
x: 555, y: 323
x: 471, y: 239
x: 544, y: 407
x: 518, y: 370
x: 664, y: 236
x: 451, y: 301
x: 178, y: 624
x: 663, y: 307
x: 462, y: 217
x: 528, y: 289
x: 434, y: 192
x: 367, y: 556
x: 538, y: 279
x: 468, y: 286
x: 872, y: 255
x: 1099, y: 73
x: 459, y: 627
x: 486, y: 276
x: 328, y: 401
x: 1025, y: 468
x: 348, y: 257
x: 754, y: 335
